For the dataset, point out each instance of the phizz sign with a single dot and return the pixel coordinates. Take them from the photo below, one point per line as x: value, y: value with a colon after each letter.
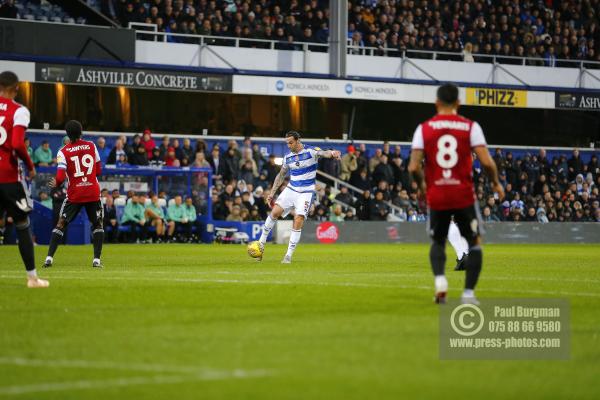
x: 579, y: 101
x: 133, y: 78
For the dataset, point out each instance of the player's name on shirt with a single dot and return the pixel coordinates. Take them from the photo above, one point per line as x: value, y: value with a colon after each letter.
x: 445, y: 124
x: 77, y: 148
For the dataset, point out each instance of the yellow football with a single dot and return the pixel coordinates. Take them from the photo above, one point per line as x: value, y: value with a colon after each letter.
x: 254, y: 249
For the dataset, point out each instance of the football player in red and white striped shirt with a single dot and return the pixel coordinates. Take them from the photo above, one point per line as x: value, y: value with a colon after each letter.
x: 445, y: 143
x: 14, y: 195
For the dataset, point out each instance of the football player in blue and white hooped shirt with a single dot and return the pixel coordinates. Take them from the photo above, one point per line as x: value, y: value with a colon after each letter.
x: 301, y: 164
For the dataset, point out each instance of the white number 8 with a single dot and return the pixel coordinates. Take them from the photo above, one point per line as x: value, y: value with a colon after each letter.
x: 87, y: 161
x: 3, y: 133
x: 447, y: 157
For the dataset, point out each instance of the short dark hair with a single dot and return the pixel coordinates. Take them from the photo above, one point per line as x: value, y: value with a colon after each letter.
x: 73, y: 129
x: 293, y: 134
x: 448, y: 93
x: 8, y: 79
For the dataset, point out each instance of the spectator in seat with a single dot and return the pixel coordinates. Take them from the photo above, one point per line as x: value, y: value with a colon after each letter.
x: 338, y: 214
x: 191, y: 214
x: 110, y: 220
x: 231, y: 164
x: 200, y: 161
x: 43, y: 155
x: 140, y: 156
x: 383, y: 171
x: 103, y: 151
x: 45, y: 200
x: 379, y: 210
x: 187, y: 151
x: 8, y: 9
x: 156, y: 217
x: 164, y: 146
x: 575, y: 165
x: 235, y: 215
x: 468, y: 53
x: 177, y: 217
x: 171, y: 160
x: 116, y: 152
x: 344, y: 196
x: 28, y: 146
x: 133, y: 216
x: 216, y: 163
x: 157, y: 160
x: 148, y: 143
x: 363, y: 206
x: 375, y: 160
x: 361, y: 180
x: 349, y: 163
x: 248, y: 164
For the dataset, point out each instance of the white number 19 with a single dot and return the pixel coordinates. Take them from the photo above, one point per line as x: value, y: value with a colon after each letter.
x: 87, y: 161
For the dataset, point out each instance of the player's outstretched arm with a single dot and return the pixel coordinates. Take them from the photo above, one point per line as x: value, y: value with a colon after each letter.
x: 329, y: 154
x: 489, y: 166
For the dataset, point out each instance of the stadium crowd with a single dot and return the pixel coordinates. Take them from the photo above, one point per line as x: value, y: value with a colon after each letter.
x: 547, y: 32
x: 563, y: 188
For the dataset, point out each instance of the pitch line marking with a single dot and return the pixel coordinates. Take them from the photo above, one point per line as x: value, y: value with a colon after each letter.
x: 191, y: 374
x: 291, y: 283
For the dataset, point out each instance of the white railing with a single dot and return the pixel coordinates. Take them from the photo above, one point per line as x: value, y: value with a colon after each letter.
x: 150, y: 32
x: 154, y: 35
x: 337, y: 183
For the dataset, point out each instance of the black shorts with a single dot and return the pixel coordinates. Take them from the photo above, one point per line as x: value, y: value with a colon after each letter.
x: 94, y: 211
x: 467, y: 219
x: 15, y: 200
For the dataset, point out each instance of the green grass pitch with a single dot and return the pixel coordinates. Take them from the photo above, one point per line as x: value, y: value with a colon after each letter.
x: 342, y: 322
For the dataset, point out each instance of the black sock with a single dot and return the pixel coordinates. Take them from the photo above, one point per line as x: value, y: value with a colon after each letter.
x: 437, y: 257
x: 474, y: 262
x: 26, y: 246
x: 97, y: 239
x: 55, y: 240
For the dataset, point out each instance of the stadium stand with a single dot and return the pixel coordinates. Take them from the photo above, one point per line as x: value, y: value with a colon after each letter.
x: 369, y: 183
x: 549, y: 33
x: 37, y: 11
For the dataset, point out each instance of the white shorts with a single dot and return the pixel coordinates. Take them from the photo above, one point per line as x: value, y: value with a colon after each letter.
x: 299, y: 202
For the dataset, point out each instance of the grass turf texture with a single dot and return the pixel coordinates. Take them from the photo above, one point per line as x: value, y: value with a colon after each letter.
x: 342, y: 322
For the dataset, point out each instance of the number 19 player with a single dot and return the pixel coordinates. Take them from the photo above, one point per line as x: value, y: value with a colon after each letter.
x: 444, y: 143
x: 79, y: 164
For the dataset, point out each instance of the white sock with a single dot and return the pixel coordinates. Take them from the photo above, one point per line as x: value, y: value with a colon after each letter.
x: 267, y: 227
x: 468, y: 293
x: 459, y: 243
x: 32, y: 274
x: 441, y: 283
x: 294, y: 239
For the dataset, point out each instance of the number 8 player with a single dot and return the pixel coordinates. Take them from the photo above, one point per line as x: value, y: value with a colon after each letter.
x: 445, y: 143
x: 78, y: 163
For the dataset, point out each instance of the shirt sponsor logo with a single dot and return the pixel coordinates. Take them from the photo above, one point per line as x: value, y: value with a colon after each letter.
x: 327, y: 232
x: 496, y: 97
